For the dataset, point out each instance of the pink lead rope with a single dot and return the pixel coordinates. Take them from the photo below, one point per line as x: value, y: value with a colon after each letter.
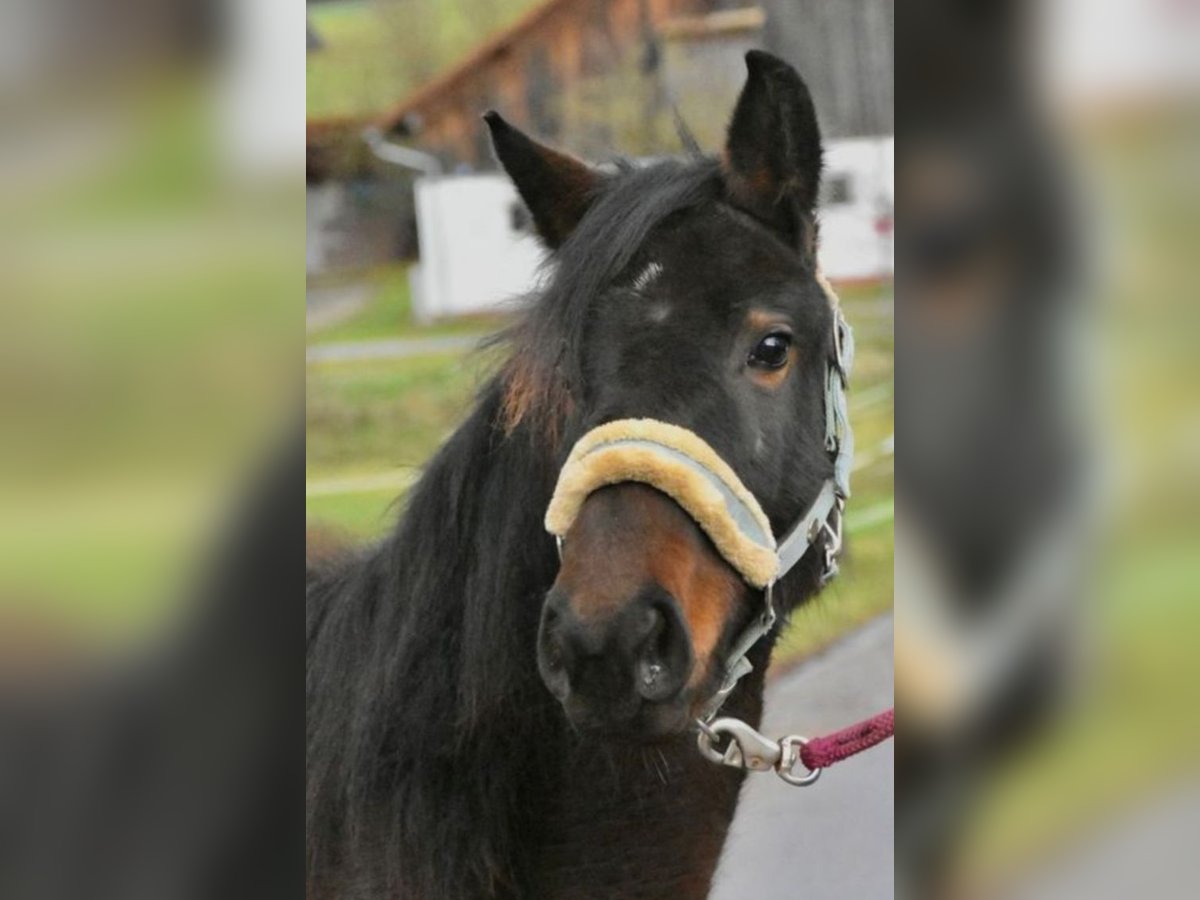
x: 747, y: 748
x: 818, y: 753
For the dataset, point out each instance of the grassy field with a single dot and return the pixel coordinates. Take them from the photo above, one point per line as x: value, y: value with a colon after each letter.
x: 372, y: 424
x: 388, y: 314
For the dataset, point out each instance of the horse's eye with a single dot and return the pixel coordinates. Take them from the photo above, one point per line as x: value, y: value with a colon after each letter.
x: 772, y: 351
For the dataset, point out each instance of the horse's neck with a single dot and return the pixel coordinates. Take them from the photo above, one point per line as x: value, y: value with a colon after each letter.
x: 558, y: 816
x: 637, y: 820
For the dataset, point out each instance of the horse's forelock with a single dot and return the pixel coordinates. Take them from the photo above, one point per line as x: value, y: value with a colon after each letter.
x: 542, y: 379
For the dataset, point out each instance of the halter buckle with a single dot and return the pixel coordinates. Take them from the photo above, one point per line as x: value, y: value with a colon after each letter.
x: 831, y: 546
x: 833, y: 542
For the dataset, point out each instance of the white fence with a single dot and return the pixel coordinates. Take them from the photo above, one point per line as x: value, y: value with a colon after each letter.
x: 477, y: 250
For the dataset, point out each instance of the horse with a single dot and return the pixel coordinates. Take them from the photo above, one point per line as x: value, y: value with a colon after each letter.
x: 439, y: 764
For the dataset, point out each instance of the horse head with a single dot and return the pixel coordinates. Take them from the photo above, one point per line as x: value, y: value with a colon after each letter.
x: 685, y: 292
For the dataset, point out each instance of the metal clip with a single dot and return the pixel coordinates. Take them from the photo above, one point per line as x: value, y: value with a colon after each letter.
x: 747, y: 749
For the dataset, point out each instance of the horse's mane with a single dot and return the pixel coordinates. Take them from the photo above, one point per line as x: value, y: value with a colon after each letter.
x: 421, y: 669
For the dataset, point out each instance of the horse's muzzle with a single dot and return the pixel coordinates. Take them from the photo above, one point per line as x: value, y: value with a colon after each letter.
x: 622, y: 672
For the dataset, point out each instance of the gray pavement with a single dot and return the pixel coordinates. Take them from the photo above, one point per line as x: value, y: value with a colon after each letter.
x: 834, y: 839
x: 1147, y: 852
x: 325, y: 306
x: 392, y: 348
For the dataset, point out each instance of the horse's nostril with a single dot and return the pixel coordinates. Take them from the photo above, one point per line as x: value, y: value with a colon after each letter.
x: 664, y: 659
x: 610, y: 664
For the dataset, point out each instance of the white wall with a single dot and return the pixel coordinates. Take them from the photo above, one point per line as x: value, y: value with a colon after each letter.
x: 857, y: 238
x: 473, y: 259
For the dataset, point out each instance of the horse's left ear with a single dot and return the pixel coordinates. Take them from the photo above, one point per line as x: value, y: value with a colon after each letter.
x: 773, y: 153
x: 557, y: 188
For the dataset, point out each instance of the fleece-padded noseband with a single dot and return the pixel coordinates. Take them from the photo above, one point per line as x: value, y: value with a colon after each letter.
x: 685, y: 468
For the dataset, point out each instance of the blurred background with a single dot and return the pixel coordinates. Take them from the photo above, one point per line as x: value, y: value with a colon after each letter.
x: 151, y: 233
x: 1046, y: 573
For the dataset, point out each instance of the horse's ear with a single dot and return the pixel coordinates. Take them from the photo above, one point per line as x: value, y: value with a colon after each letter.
x: 773, y: 153
x: 557, y: 188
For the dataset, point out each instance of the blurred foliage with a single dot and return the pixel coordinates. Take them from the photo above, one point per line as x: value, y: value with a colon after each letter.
x: 374, y: 52
x: 628, y: 110
x: 624, y: 109
x: 141, y: 356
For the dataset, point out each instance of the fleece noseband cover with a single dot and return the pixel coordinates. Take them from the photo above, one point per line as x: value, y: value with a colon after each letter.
x: 677, y: 462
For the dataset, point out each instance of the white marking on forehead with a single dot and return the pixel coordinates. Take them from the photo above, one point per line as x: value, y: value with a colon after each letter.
x: 647, y: 276
x: 658, y: 311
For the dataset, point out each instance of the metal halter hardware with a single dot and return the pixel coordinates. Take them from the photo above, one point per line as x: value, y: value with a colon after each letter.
x: 747, y: 749
x: 831, y: 547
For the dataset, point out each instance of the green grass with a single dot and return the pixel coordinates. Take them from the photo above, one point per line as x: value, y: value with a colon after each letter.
x: 360, y: 515
x: 372, y: 424
x: 388, y: 314
x: 378, y: 415
x: 351, y: 74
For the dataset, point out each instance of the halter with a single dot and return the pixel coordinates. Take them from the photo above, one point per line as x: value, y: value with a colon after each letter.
x: 682, y: 465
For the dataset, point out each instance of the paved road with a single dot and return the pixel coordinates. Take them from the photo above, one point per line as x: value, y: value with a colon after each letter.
x: 324, y: 306
x: 1147, y: 852
x: 833, y: 840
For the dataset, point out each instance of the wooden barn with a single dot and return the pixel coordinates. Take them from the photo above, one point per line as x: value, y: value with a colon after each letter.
x: 601, y: 76
x: 583, y: 72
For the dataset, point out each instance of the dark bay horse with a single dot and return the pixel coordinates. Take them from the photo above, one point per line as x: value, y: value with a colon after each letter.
x: 439, y: 764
